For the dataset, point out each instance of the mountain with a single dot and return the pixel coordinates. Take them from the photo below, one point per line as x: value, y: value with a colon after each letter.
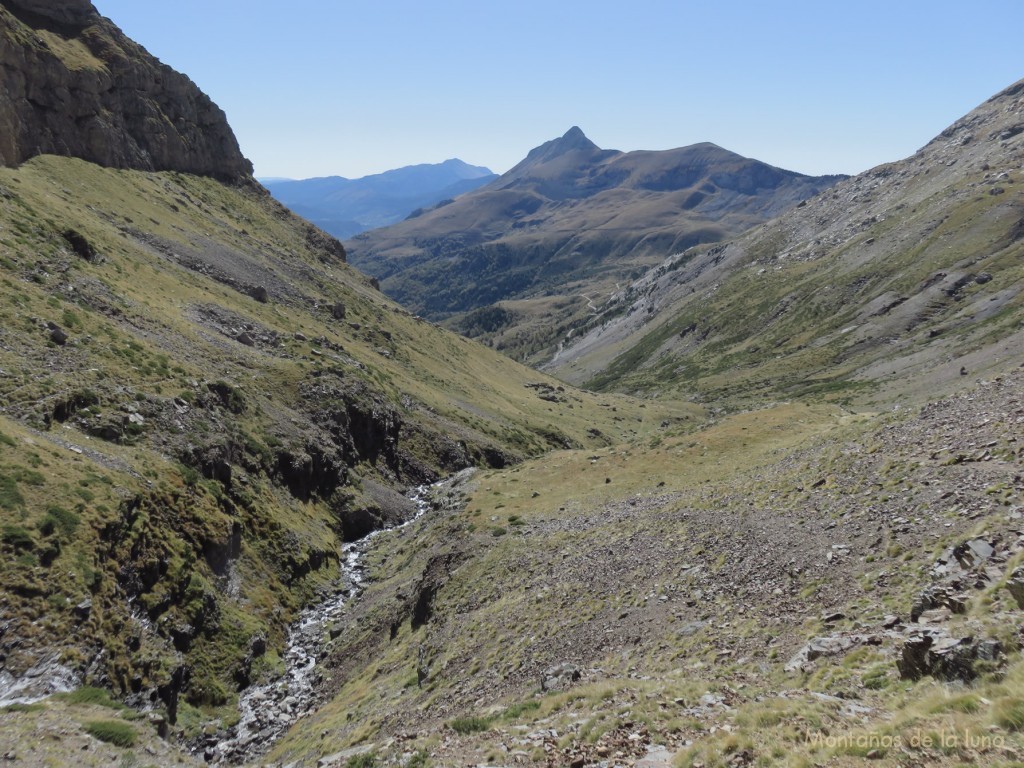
x: 200, y: 401
x: 562, y: 229
x: 205, y: 413
x: 908, y: 272
x: 346, y: 207
x: 826, y: 569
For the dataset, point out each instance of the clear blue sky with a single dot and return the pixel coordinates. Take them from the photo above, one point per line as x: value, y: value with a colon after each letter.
x: 352, y: 87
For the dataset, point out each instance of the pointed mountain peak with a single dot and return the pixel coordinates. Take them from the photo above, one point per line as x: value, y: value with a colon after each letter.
x: 575, y: 135
x: 574, y: 140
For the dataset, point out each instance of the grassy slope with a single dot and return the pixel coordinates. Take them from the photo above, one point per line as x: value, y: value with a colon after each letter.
x: 144, y: 514
x: 701, y: 567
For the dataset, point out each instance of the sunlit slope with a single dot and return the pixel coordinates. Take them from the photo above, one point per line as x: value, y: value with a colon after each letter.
x: 893, y: 280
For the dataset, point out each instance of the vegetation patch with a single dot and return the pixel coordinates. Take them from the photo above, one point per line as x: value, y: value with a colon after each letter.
x: 114, y: 732
x: 467, y: 725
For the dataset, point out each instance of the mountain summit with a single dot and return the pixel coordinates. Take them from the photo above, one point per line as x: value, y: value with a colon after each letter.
x: 574, y: 140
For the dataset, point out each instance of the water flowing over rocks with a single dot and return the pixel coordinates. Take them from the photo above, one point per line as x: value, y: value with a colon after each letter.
x: 46, y: 678
x: 268, y: 710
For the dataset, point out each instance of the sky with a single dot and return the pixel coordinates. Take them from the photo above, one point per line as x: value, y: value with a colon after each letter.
x: 354, y: 87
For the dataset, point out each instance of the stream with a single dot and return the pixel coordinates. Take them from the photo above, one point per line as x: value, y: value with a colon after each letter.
x: 267, y: 711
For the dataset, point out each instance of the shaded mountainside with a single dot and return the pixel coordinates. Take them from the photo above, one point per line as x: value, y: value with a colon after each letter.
x: 564, y: 228
x: 345, y: 207
x: 908, y: 271
x: 72, y: 84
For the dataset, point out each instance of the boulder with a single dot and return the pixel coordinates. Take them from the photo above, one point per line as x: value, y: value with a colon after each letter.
x: 1015, y: 585
x: 935, y: 597
x: 57, y: 334
x: 560, y: 677
x: 832, y: 645
x: 934, y: 652
x: 973, y: 552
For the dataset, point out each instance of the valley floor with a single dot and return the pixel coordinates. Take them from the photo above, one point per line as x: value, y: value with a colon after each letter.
x: 785, y: 586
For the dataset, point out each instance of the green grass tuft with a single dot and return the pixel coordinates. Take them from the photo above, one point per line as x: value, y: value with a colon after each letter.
x: 365, y: 760
x: 465, y: 725
x: 1008, y: 713
x: 113, y: 732
x: 88, y: 695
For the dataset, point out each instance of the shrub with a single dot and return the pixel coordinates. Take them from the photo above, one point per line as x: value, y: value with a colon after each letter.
x: 521, y: 708
x: 23, y: 708
x: 10, y: 496
x: 60, y: 520
x: 365, y: 760
x: 17, y: 537
x: 113, y: 732
x: 464, y: 725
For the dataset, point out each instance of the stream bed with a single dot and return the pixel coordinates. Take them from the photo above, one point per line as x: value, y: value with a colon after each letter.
x: 267, y: 711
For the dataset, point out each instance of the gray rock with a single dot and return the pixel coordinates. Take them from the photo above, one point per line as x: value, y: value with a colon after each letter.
x: 832, y: 645
x: 83, y: 609
x: 933, y: 652
x: 1015, y: 585
x: 973, y: 552
x: 57, y: 334
x: 938, y: 596
x: 560, y: 677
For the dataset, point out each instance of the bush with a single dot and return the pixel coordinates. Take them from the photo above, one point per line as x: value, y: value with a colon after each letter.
x: 365, y: 760
x: 10, y: 496
x: 464, y: 725
x: 521, y: 708
x: 113, y: 732
x: 23, y: 708
x: 17, y: 537
x: 60, y: 520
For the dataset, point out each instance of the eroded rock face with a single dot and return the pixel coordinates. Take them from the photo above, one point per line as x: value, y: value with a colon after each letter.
x: 61, y: 11
x: 72, y: 84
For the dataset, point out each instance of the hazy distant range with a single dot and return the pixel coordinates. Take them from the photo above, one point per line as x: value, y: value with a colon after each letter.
x: 346, y: 207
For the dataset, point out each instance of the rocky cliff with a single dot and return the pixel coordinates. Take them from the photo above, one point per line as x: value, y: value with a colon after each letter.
x: 72, y: 84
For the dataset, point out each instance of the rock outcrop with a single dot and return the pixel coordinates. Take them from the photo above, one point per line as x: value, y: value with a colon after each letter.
x: 72, y: 84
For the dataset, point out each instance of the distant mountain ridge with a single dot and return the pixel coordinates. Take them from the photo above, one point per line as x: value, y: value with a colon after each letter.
x: 572, y: 221
x: 345, y: 207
